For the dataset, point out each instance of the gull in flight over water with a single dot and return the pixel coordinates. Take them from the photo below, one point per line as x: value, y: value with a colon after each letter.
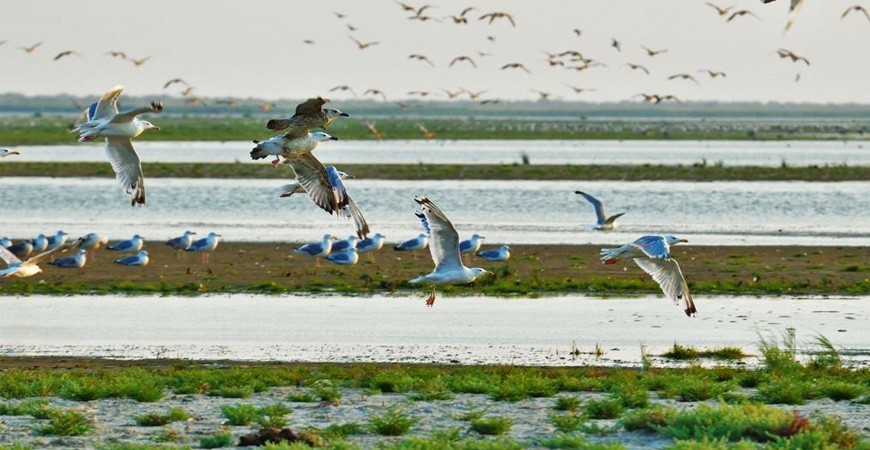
x: 603, y: 222
x: 444, y: 246
x: 653, y: 255
x: 309, y: 114
x: 17, y: 268
x: 119, y: 128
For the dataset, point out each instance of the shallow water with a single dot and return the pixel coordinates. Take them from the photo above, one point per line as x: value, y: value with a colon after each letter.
x: 401, y: 329
x: 730, y: 153
x: 707, y: 213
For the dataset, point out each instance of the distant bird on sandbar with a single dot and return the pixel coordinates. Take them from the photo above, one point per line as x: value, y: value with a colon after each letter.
x: 40, y: 243
x: 22, y: 249
x: 57, y: 240
x: 502, y: 253
x: 309, y: 114
x: 139, y: 259
x: 344, y: 244
x: 602, y: 221
x: 652, y: 254
x: 426, y: 133
x: 72, y: 262
x: 18, y: 268
x: 205, y: 246
x: 374, y: 243
x: 412, y: 245
x: 471, y: 245
x: 131, y: 245
x: 119, y: 128
x: 317, y: 249
x: 444, y: 247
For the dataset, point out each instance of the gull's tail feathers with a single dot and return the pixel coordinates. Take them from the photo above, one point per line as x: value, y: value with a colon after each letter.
x: 611, y: 255
x: 259, y: 152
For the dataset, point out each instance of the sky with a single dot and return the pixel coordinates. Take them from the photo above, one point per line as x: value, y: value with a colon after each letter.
x: 255, y: 48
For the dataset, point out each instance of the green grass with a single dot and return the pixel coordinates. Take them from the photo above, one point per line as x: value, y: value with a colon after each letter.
x: 217, y: 440
x: 66, y: 422
x: 158, y: 420
x: 577, y: 442
x: 392, y: 422
x: 567, y: 403
x: 567, y: 423
x: 684, y: 353
x: 273, y: 416
x: 491, y: 426
x: 240, y: 414
x: 133, y: 446
x: 606, y: 408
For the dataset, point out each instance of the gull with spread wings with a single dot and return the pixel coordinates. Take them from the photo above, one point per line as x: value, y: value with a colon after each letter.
x: 17, y: 268
x: 653, y: 255
x: 119, y: 128
x: 309, y: 114
x: 603, y: 222
x: 444, y: 246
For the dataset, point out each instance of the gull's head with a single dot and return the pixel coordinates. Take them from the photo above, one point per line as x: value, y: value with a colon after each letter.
x: 6, y: 152
x: 345, y: 176
x: 149, y: 126
x: 214, y: 235
x: 505, y: 247
x: 673, y: 240
x: 333, y: 113
x: 476, y: 236
x: 189, y: 232
x: 319, y: 136
x: 143, y: 253
x: 479, y: 272
x: 136, y: 236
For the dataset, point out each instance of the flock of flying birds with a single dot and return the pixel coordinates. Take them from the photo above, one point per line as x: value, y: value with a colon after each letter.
x: 298, y: 136
x: 569, y: 59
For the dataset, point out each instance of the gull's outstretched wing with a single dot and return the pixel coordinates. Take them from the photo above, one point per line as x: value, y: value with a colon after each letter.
x: 667, y: 273
x: 652, y: 246
x: 793, y: 10
x: 353, y: 212
x: 128, y: 116
x: 311, y: 106
x: 108, y: 104
x: 443, y: 237
x: 46, y: 254
x: 613, y: 218
x: 8, y: 257
x: 127, y: 167
x: 313, y: 178
x: 347, y: 206
x: 337, y: 186
x: 597, y: 204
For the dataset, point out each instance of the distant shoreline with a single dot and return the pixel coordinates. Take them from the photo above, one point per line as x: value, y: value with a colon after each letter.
x: 695, y: 172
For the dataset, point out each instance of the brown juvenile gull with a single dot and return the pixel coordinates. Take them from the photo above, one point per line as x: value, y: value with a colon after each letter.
x: 309, y: 114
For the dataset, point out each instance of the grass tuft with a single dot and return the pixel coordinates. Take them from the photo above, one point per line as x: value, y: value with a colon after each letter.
x: 158, y: 420
x: 217, y: 440
x: 66, y: 422
x: 392, y: 422
x: 492, y: 426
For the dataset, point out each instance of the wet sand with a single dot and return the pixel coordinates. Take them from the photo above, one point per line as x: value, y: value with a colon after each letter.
x: 400, y: 329
x: 271, y: 267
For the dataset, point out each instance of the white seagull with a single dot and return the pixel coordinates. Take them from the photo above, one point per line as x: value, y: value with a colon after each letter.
x: 181, y: 242
x: 502, y: 253
x: 340, y: 246
x: 653, y: 255
x: 119, y: 128
x: 444, y: 246
x: 347, y: 207
x: 57, y: 240
x: 348, y: 257
x: 129, y: 246
x: 93, y: 241
x: 139, y: 259
x: 604, y: 222
x: 72, y: 262
x: 317, y: 249
x: 205, y: 245
x: 22, y: 249
x: 17, y: 268
x: 412, y: 245
x: 4, y: 152
x: 40, y: 243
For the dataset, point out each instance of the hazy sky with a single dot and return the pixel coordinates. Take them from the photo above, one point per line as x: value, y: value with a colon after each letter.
x: 255, y: 48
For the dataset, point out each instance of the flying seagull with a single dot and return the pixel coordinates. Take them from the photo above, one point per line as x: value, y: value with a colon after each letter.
x: 856, y: 8
x: 722, y: 11
x: 444, y: 246
x: 498, y: 15
x: 652, y: 254
x: 309, y: 114
x: 462, y: 58
x: 17, y: 268
x: 104, y: 120
x: 603, y: 222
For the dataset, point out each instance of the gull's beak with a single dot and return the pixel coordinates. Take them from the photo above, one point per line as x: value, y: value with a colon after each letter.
x: 14, y: 153
x: 684, y: 240
x: 219, y: 235
x: 344, y: 114
x: 351, y: 177
x: 156, y: 128
x: 333, y: 138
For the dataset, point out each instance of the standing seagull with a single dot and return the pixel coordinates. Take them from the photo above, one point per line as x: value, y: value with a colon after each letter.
x: 502, y: 253
x: 309, y: 114
x: 604, y: 222
x: 182, y: 242
x: 205, y: 245
x: 72, y: 262
x: 4, y: 152
x: 119, y: 129
x: 139, y: 259
x: 444, y: 246
x: 472, y: 244
x: 317, y: 249
x: 93, y: 241
x: 412, y: 245
x: 653, y: 255
x: 348, y: 257
x: 17, y: 268
x: 129, y: 246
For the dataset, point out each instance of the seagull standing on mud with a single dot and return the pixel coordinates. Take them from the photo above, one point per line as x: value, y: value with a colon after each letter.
x: 119, y: 128
x: 72, y: 262
x: 603, y: 222
x: 502, y: 253
x: 444, y: 246
x: 653, y: 255
x: 182, y: 242
x: 139, y: 259
x: 205, y: 245
x: 129, y: 246
x: 317, y: 249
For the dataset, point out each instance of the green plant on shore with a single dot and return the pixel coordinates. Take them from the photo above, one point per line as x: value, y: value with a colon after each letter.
x: 392, y: 422
x: 567, y: 403
x: 273, y: 416
x: 217, y: 440
x: 157, y: 419
x: 577, y: 442
x: 567, y: 423
x: 240, y: 414
x: 491, y: 426
x: 66, y: 422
